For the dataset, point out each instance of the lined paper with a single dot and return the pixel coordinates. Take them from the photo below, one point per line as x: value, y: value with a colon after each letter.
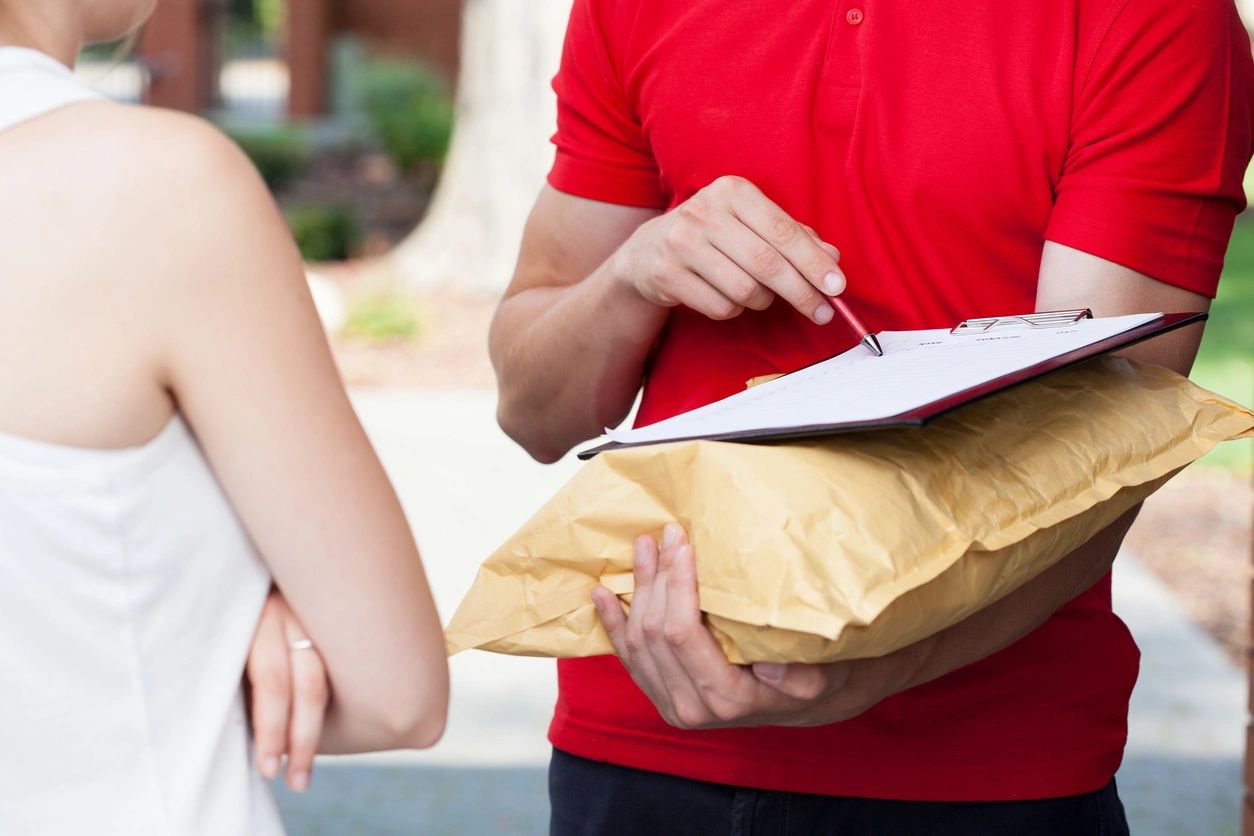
x: 918, y: 368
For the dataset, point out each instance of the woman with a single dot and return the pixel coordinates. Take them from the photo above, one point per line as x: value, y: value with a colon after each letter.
x: 173, y: 434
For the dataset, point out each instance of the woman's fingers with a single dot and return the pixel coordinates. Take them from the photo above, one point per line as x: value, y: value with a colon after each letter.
x: 288, y: 683
x: 270, y: 685
x: 309, y: 704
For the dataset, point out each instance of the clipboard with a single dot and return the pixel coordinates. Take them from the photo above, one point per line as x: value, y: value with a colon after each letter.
x: 924, y: 414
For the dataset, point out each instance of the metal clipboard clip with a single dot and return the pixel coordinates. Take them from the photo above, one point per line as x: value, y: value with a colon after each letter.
x: 1044, y: 319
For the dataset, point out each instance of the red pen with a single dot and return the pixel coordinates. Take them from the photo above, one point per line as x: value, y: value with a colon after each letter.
x: 867, y: 338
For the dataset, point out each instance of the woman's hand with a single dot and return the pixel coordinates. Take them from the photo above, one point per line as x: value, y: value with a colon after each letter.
x: 288, y: 689
x: 671, y: 655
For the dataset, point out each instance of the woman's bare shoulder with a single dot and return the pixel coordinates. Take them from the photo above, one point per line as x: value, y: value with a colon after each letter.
x: 141, y: 189
x: 104, y: 145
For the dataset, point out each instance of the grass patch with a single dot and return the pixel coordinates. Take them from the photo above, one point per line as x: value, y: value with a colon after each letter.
x: 383, y: 317
x: 1225, y: 363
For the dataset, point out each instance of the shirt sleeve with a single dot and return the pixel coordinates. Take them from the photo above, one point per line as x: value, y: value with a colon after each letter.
x: 601, y: 150
x: 1160, y: 140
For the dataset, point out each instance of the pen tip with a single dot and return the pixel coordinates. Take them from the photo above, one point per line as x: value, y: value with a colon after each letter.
x: 870, y: 342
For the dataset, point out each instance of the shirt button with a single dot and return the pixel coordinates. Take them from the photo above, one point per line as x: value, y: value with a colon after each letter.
x: 854, y: 16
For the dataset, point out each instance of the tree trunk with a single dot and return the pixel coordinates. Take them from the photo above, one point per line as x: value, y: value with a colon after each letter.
x: 500, y: 151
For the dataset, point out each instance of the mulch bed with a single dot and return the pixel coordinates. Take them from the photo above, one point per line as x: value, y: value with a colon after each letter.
x: 386, y: 203
x: 1195, y: 534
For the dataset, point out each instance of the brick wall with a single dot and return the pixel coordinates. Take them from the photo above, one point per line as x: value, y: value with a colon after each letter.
x: 427, y: 28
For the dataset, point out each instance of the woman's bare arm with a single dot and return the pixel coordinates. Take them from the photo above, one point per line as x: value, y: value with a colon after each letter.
x: 237, y: 343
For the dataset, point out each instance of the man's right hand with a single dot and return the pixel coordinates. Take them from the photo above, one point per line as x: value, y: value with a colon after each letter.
x: 728, y: 248
x: 594, y: 280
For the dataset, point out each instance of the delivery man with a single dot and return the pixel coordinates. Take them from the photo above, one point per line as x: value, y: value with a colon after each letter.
x: 721, y: 166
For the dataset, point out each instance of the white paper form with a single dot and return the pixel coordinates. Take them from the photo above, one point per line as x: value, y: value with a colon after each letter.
x: 918, y: 368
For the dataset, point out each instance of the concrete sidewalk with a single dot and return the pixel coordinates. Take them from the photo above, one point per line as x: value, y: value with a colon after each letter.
x: 467, y: 488
x: 1186, y: 731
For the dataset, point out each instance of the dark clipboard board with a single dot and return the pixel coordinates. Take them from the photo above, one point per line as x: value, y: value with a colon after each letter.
x: 923, y: 415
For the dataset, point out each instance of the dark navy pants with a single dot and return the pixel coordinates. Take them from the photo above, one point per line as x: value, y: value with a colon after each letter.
x: 599, y: 799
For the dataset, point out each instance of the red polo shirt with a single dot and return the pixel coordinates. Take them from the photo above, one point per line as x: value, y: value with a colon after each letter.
x: 938, y: 145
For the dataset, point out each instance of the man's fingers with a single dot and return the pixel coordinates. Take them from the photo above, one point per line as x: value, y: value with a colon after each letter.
x: 830, y: 249
x: 645, y: 570
x: 689, y: 639
x: 650, y: 614
x: 673, y: 536
x: 633, y: 647
x: 270, y: 684
x: 742, y: 250
x: 694, y: 291
x: 730, y: 280
x: 802, y: 682
x: 613, y: 619
x: 790, y: 238
x: 684, y: 609
x: 766, y: 264
x: 309, y: 704
x: 655, y: 615
x: 667, y: 631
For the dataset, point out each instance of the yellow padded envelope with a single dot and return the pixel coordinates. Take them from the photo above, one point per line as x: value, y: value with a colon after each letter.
x: 852, y: 545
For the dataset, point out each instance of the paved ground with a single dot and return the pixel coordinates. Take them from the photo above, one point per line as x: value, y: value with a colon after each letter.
x: 466, y: 488
x: 1182, y: 771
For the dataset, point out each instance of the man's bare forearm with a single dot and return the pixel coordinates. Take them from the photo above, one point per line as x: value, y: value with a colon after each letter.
x: 594, y: 284
x: 570, y: 359
x: 1004, y: 622
x: 1069, y: 279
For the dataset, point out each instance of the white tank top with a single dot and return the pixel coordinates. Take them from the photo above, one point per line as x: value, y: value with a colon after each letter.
x: 128, y: 598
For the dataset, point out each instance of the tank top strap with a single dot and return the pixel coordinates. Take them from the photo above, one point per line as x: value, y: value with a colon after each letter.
x: 33, y: 83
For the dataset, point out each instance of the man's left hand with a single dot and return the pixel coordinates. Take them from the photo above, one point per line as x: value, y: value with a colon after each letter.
x: 671, y: 655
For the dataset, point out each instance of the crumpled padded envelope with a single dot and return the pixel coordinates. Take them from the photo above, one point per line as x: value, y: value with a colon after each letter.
x: 851, y: 545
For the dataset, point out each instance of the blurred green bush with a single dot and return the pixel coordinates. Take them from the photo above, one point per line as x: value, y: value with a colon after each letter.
x: 407, y: 109
x: 254, y: 28
x: 269, y: 15
x: 280, y: 153
x: 324, y: 233
x: 1225, y: 363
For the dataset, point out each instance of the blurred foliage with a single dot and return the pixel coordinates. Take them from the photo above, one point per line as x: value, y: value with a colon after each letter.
x: 407, y: 109
x: 1225, y: 363
x: 324, y: 233
x: 254, y: 27
x: 269, y: 15
x: 384, y: 317
x: 280, y: 153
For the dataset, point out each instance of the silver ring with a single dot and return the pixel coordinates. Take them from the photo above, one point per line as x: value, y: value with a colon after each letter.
x: 300, y: 644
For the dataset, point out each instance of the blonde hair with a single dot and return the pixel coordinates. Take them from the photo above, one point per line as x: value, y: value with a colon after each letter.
x: 124, y: 49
